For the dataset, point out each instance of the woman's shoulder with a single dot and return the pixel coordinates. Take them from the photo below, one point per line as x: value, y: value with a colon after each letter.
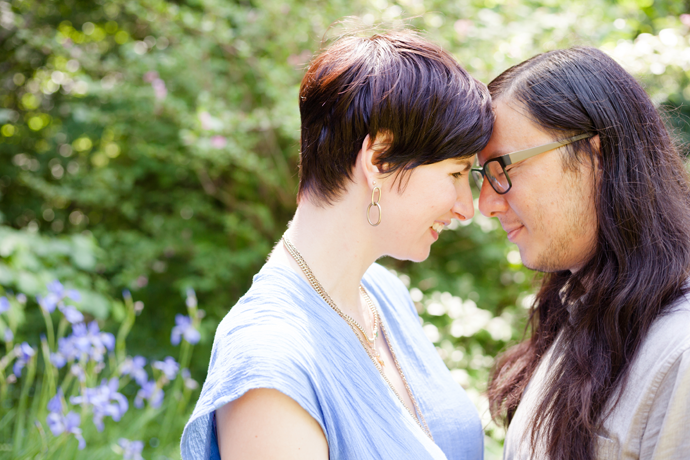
x: 277, y: 321
x: 276, y: 294
x: 274, y: 281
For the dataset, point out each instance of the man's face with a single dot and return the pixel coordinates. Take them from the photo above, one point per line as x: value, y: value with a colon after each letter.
x: 549, y: 212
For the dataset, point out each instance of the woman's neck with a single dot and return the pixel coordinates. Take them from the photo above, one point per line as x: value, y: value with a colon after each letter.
x: 336, y: 243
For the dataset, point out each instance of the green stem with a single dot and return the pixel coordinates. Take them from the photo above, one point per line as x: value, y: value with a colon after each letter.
x: 125, y: 327
x: 172, y: 408
x: 5, y: 424
x: 55, y: 445
x: 49, y: 328
x: 182, y: 406
x: 185, y: 354
x: 49, y: 376
x: 23, y: 400
x: 66, y: 381
x: 113, y: 366
x: 4, y: 362
x: 44, y: 438
x: 62, y: 327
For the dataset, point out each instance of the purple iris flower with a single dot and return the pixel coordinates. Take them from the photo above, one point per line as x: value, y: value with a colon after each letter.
x: 189, y: 382
x: 84, y: 340
x: 131, y: 449
x: 134, y: 367
x: 90, y: 340
x: 78, y: 372
x: 4, y: 304
x: 100, y: 339
x: 55, y: 404
x: 191, y: 298
x: 55, y: 296
x: 150, y: 392
x: 58, y: 360
x: 24, y: 353
x: 47, y: 303
x: 55, y: 287
x: 80, y: 340
x: 72, y: 314
x: 169, y: 367
x: 66, y: 348
x: 59, y: 423
x: 105, y: 401
x: 184, y: 328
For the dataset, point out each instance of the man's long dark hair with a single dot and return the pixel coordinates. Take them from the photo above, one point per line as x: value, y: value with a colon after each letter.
x: 602, y: 313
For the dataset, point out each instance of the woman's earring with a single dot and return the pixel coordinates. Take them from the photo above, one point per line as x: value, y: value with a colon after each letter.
x: 375, y: 198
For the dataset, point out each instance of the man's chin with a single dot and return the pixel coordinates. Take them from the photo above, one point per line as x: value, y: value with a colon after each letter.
x: 540, y: 264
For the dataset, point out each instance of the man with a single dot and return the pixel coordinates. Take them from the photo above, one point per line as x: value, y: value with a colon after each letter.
x: 586, y: 181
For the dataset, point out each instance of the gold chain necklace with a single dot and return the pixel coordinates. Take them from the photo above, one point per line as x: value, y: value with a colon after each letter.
x: 371, y: 349
x: 322, y: 292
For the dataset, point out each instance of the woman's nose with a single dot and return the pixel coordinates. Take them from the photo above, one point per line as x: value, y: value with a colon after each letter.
x: 463, y: 208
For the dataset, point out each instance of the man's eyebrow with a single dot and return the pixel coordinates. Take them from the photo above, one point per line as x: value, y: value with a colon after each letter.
x: 500, y: 153
x: 495, y: 154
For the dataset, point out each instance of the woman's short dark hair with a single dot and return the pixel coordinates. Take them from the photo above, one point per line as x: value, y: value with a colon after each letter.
x: 396, y: 84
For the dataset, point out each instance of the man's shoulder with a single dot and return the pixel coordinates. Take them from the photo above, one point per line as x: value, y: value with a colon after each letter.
x: 676, y: 318
x: 669, y: 335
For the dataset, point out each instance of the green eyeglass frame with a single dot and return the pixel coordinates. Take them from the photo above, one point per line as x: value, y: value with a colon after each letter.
x: 495, y: 169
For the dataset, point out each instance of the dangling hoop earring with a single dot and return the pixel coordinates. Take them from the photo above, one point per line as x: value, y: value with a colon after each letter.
x: 375, y: 198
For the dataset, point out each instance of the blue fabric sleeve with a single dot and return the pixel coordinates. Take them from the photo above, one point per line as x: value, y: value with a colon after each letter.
x: 259, y: 348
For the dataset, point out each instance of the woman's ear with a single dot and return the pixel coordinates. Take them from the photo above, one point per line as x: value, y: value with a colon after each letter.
x: 368, y: 160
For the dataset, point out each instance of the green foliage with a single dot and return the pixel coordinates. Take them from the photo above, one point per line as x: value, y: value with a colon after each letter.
x: 79, y: 395
x: 153, y: 144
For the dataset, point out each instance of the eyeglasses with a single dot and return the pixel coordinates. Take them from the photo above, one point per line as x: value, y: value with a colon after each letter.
x: 495, y: 169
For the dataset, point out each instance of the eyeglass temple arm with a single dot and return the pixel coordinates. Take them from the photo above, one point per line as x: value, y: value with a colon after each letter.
x: 525, y: 154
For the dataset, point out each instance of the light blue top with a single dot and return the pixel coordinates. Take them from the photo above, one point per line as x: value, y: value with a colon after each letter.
x: 282, y: 335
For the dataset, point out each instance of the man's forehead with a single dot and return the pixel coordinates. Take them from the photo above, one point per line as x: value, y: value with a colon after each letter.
x: 513, y: 131
x: 495, y: 148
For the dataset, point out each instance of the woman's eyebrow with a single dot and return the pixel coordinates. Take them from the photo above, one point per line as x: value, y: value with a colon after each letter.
x: 465, y: 162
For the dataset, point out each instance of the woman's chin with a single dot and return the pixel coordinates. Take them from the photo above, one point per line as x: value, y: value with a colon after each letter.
x: 419, y: 255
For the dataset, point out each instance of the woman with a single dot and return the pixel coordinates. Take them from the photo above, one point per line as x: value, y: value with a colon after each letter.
x: 606, y: 371
x: 324, y: 357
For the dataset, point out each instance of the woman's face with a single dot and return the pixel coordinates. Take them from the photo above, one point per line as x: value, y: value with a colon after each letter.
x: 431, y: 196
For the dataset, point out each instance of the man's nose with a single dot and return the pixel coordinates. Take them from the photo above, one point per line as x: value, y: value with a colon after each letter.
x: 491, y: 203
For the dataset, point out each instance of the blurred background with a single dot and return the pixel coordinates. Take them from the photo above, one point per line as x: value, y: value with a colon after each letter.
x: 152, y: 146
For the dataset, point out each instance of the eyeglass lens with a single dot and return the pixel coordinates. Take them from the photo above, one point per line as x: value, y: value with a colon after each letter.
x: 478, y: 178
x: 497, y: 176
